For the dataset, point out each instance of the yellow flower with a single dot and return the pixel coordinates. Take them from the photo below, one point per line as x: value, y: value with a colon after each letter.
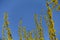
x: 49, y: 11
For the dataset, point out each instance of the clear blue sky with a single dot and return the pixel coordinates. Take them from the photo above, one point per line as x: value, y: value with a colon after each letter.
x: 26, y: 10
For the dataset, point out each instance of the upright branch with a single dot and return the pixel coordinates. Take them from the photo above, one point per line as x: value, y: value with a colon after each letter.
x: 51, y: 29
x: 6, y: 26
x: 30, y: 36
x: 39, y: 27
x: 20, y: 30
x: 25, y: 34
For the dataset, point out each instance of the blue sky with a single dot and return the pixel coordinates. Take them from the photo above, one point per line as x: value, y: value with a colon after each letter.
x: 26, y: 9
